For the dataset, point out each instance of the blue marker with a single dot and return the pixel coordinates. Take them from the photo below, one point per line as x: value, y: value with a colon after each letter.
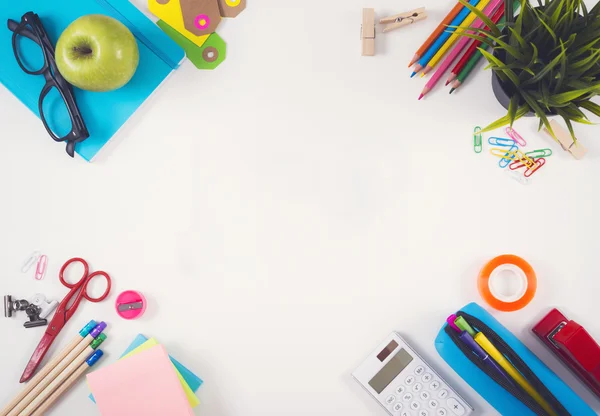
x: 443, y: 37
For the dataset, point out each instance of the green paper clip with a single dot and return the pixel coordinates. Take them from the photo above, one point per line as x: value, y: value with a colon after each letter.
x: 477, y: 140
x: 462, y: 324
x: 539, y: 153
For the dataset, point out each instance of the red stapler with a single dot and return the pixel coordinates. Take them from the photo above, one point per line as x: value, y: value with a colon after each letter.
x: 572, y: 344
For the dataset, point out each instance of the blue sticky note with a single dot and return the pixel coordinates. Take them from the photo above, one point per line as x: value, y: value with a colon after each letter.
x: 190, y: 378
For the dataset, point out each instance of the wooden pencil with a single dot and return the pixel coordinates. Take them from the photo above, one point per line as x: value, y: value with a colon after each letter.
x: 472, y: 48
x: 58, y: 392
x: 83, y: 337
x: 466, y: 70
x: 437, y: 32
x: 454, y: 37
x: 490, y: 9
x: 439, y: 42
x: 79, y: 361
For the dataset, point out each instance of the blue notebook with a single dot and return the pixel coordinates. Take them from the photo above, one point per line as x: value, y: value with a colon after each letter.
x: 104, y: 113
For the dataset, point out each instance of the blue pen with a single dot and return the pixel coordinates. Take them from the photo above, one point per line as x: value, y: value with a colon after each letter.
x: 443, y: 37
x: 468, y: 339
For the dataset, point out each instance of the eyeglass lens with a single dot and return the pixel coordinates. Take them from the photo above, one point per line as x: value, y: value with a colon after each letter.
x: 28, y: 52
x: 56, y: 114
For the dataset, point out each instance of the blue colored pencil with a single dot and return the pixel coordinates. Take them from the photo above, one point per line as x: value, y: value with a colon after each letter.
x: 443, y: 38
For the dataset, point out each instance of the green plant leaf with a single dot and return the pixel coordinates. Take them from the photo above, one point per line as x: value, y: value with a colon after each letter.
x: 508, y: 72
x: 519, y: 38
x: 590, y: 106
x: 548, y: 28
x: 513, y: 105
x: 484, y: 18
x: 566, y: 97
x: 541, y: 74
x: 503, y: 121
x: 536, y: 108
x: 567, y: 120
x: 562, y: 73
x: 583, y: 65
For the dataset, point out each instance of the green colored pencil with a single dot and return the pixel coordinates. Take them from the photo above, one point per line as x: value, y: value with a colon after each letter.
x: 466, y: 70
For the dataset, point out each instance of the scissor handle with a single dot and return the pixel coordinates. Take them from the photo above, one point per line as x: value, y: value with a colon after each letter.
x: 85, y: 279
x: 106, y: 292
x: 86, y: 270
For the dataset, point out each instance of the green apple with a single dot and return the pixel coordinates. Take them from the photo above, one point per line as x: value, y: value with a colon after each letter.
x: 97, y: 53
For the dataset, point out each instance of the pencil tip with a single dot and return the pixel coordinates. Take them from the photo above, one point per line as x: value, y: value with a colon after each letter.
x: 452, y: 90
x: 446, y: 84
x: 422, y: 74
x: 413, y: 74
x: 420, y: 96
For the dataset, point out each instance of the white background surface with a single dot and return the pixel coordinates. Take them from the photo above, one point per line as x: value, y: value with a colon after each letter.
x: 286, y: 211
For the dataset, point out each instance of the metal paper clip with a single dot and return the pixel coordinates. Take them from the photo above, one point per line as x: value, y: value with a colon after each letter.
x: 501, y: 141
x: 506, y: 155
x: 518, y: 176
x: 527, y: 161
x: 538, y: 164
x: 539, y: 153
x: 477, y: 140
x: 30, y: 261
x: 40, y: 270
x: 512, y: 133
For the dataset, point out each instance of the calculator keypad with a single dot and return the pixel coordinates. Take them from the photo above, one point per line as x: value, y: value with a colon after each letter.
x: 423, y: 395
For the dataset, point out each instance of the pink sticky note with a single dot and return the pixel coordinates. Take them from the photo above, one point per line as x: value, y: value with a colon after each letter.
x: 143, y: 384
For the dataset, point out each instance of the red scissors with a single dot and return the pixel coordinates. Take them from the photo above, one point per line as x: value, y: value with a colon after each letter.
x: 65, y: 310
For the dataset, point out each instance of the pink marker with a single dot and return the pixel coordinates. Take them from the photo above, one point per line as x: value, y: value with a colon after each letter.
x: 451, y: 320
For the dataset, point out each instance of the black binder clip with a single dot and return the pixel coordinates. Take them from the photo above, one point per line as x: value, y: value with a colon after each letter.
x: 33, y: 312
x: 11, y: 306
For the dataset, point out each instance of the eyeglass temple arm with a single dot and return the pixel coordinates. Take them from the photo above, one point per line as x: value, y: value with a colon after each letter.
x: 13, y: 25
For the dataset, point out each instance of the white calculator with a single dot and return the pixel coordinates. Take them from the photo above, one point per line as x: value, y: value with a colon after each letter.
x: 405, y: 385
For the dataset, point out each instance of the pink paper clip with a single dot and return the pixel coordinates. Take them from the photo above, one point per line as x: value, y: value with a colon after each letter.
x: 537, y: 165
x: 512, y: 133
x: 40, y: 270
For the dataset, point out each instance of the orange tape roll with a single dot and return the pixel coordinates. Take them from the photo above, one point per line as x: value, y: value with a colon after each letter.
x: 491, y: 273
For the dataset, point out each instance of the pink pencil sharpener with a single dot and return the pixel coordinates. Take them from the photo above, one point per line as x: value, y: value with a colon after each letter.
x: 130, y: 304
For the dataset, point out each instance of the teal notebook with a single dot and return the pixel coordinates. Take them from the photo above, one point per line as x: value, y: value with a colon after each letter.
x: 104, y: 113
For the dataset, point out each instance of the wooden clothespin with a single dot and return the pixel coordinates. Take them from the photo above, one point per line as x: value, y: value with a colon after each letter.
x: 403, y: 19
x: 367, y: 32
x: 566, y: 141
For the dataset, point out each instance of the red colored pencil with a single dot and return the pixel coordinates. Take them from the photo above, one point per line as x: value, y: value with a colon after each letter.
x: 472, y: 48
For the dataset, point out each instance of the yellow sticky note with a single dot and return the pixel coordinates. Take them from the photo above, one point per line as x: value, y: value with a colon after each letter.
x: 188, y: 392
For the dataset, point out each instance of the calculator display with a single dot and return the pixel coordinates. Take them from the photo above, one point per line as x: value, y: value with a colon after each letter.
x: 390, y: 371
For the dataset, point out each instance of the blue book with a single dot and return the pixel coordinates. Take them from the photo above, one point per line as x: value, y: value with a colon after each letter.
x: 104, y: 113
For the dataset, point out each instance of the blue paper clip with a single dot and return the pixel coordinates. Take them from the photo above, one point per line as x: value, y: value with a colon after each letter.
x: 501, y: 141
x: 506, y: 155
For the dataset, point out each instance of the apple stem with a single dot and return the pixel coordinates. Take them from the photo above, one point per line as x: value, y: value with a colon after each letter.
x: 85, y: 50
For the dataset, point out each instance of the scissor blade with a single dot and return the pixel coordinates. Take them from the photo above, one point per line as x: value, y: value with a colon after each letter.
x: 37, y: 357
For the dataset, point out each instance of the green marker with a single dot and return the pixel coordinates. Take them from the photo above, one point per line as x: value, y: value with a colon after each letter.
x: 462, y: 324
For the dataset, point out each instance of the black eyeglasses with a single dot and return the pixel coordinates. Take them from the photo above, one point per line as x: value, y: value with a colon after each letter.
x: 57, y: 93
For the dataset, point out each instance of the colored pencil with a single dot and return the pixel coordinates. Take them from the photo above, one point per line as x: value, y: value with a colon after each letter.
x: 466, y: 70
x: 439, y: 42
x: 490, y: 9
x: 437, y: 32
x: 472, y: 48
x: 84, y: 335
x: 60, y: 379
x: 68, y: 383
x: 454, y: 37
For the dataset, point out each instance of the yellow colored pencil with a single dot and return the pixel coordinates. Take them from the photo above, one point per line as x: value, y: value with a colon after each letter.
x: 488, y: 347
x: 454, y: 37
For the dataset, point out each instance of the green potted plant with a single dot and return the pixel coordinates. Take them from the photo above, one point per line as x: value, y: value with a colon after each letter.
x: 546, y: 62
